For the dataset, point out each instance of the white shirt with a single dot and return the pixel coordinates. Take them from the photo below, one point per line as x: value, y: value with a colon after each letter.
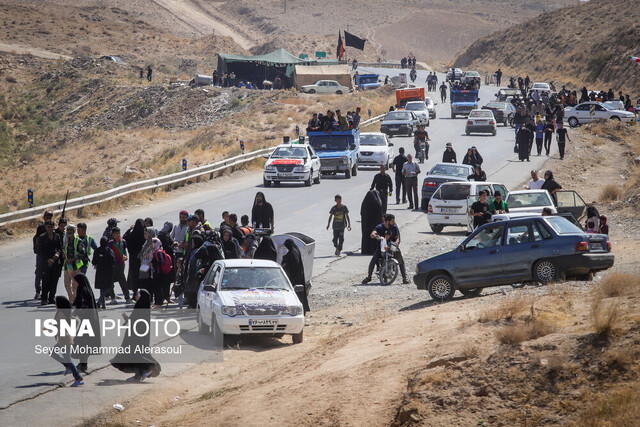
x: 536, y: 185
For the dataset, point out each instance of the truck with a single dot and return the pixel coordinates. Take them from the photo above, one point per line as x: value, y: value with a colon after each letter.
x: 409, y: 94
x: 338, y: 151
x: 463, y: 101
x: 368, y: 81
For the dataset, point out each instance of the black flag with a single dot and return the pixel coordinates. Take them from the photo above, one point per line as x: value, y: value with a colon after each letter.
x: 340, y: 49
x: 353, y: 41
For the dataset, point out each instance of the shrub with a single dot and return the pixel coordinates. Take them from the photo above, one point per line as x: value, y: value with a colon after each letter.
x: 604, y: 317
x: 617, y: 284
x: 610, y: 193
x: 516, y: 334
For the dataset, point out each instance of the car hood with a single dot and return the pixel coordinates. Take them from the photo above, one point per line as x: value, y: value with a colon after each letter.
x: 442, y: 261
x: 309, y: 86
x: 447, y: 178
x: 281, y: 161
x: 374, y: 148
x: 395, y: 122
x: 331, y: 154
x: 258, y: 299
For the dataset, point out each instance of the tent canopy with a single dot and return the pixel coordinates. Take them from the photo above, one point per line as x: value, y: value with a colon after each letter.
x: 278, y: 58
x: 309, y: 74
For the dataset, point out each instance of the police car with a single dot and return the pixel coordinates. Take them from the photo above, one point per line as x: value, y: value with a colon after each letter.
x: 294, y: 162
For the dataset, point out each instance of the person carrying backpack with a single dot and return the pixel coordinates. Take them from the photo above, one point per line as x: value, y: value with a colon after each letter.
x: 162, y: 267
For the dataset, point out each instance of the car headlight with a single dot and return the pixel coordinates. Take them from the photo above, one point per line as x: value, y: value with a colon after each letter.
x: 300, y: 169
x: 270, y: 168
x: 293, y: 310
x: 229, y: 310
x: 345, y: 160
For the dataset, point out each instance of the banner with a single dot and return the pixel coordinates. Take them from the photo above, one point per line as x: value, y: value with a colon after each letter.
x: 340, y: 49
x: 353, y: 41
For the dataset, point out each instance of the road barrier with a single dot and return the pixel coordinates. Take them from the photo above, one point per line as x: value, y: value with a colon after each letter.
x: 145, y: 185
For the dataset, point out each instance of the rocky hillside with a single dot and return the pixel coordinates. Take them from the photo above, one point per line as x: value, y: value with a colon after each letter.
x: 586, y: 44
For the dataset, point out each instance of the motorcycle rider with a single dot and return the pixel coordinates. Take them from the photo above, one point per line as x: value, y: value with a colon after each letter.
x: 413, y: 74
x: 419, y: 136
x: 378, y: 233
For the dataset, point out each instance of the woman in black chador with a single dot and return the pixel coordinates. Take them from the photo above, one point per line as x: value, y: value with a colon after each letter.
x: 371, y: 215
x: 292, y: 265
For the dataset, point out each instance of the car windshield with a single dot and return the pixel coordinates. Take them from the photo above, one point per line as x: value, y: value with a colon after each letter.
x: 608, y: 107
x: 464, y: 96
x: 498, y: 105
x: 398, y: 115
x: 372, y: 140
x: 482, y: 114
x: 526, y: 200
x: 450, y: 170
x: 416, y: 106
x: 289, y: 152
x: 472, y: 74
x: 540, y: 86
x: 236, y: 278
x: 330, y: 143
x: 562, y: 225
x: 454, y: 192
x: 368, y: 79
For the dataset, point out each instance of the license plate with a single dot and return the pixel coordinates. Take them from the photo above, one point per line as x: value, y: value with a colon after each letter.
x: 394, y: 128
x: 596, y: 246
x: 285, y: 174
x: 263, y: 322
x: 326, y: 168
x: 481, y: 122
x: 448, y: 210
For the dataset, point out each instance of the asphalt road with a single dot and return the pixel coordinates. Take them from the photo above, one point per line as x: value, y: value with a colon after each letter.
x: 297, y: 208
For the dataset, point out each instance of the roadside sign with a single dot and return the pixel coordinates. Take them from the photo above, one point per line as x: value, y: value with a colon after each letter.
x: 592, y: 109
x: 30, y: 197
x: 321, y: 54
x: 297, y: 130
x: 301, y: 140
x: 304, y: 56
x: 369, y: 112
x: 383, y: 52
x: 184, y: 164
x: 242, y: 146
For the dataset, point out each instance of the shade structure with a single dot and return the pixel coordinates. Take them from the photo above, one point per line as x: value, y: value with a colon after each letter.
x: 309, y: 74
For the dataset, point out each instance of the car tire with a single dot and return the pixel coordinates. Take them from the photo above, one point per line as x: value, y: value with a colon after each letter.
x: 309, y: 180
x: 616, y: 118
x: 453, y: 116
x: 467, y: 132
x: 298, y: 338
x: 471, y: 293
x: 354, y: 170
x: 312, y: 91
x: 266, y: 182
x: 410, y: 133
x: 428, y: 123
x: 573, y: 122
x: 347, y: 173
x: 495, y: 132
x: 317, y: 179
x: 434, y: 116
x: 512, y: 122
x: 441, y: 288
x: 216, y: 333
x: 338, y: 92
x: 545, y: 271
x: 276, y: 183
x: 437, y: 228
x: 202, y: 328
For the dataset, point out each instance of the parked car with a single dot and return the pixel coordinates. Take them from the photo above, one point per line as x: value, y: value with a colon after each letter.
x: 581, y: 113
x: 438, y: 175
x: 481, y: 121
x: 449, y: 205
x: 470, y: 76
x: 248, y: 296
x: 420, y: 109
x: 539, y: 249
x: 530, y: 201
x: 375, y: 150
x: 540, y: 87
x: 616, y: 104
x: 292, y: 162
x: 326, y: 86
x: 504, y: 112
x: 431, y: 106
x: 399, y: 123
x: 505, y: 94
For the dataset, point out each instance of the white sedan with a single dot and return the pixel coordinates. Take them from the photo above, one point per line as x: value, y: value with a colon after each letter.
x: 593, y: 110
x: 326, y: 86
x: 248, y: 297
x: 375, y: 150
x: 294, y: 163
x: 481, y: 121
x: 541, y: 87
x: 530, y: 201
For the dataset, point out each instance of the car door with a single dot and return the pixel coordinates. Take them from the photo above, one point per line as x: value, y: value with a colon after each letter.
x: 582, y: 113
x: 571, y: 202
x: 601, y: 113
x: 315, y: 160
x: 206, y: 298
x: 524, y: 244
x: 478, y: 261
x: 502, y: 189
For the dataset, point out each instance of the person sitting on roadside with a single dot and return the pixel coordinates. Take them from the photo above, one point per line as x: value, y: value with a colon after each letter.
x: 343, y: 123
x: 314, y: 124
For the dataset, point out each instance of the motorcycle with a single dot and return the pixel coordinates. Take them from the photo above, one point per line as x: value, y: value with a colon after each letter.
x: 388, y: 265
x: 413, y: 75
x: 423, y: 151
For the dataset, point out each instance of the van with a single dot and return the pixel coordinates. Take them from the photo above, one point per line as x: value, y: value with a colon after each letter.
x: 449, y: 205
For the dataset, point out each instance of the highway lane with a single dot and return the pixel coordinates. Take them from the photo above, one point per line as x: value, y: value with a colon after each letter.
x: 297, y: 208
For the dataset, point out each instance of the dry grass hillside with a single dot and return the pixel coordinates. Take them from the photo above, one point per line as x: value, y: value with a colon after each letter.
x: 587, y: 44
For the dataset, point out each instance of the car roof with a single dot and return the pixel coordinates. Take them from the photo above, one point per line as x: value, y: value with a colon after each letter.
x: 415, y: 102
x: 537, y: 190
x: 289, y: 144
x: 235, y: 263
x: 470, y: 182
x: 372, y: 133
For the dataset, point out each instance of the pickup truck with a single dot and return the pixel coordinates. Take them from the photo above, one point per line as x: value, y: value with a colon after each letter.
x: 463, y: 101
x: 338, y: 151
x: 368, y: 81
x: 409, y: 94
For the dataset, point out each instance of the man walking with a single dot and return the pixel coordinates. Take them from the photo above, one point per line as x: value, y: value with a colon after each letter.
x: 119, y: 248
x: 498, y: 76
x: 47, y: 217
x: 410, y: 172
x: 561, y: 137
x: 398, y: 163
x: 382, y: 182
x: 443, y: 92
x: 149, y: 72
x: 49, y: 250
x: 340, y: 215
x: 449, y: 156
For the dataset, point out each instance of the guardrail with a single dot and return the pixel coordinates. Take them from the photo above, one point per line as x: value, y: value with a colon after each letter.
x: 134, y: 187
x: 388, y: 65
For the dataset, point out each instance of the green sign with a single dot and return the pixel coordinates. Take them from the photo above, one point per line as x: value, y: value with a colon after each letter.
x: 303, y: 56
x: 320, y: 54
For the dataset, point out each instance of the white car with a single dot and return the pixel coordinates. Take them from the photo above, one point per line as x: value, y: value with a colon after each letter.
x: 541, y: 87
x: 292, y: 162
x: 470, y: 76
x: 449, y: 205
x: 530, y: 201
x: 420, y: 109
x: 326, y: 86
x: 481, y: 121
x: 375, y: 150
x: 248, y: 296
x: 594, y: 110
x: 431, y: 106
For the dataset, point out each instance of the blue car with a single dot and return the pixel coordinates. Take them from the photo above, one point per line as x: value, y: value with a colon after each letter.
x: 539, y: 249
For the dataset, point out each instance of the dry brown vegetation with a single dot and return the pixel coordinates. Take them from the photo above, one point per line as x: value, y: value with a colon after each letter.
x: 508, y: 309
x: 515, y: 334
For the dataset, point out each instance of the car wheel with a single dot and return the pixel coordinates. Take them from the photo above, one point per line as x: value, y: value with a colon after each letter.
x: 434, y: 116
x: 428, y: 123
x: 512, y: 122
x: 615, y: 118
x: 495, y: 132
x: 441, y: 287
x: 347, y: 173
x: 309, y: 180
x: 437, y: 228
x: 338, y: 92
x: 453, y: 116
x: 216, y: 333
x: 573, y: 122
x: 298, y: 338
x: 545, y: 271
x: 312, y: 91
x: 467, y: 132
x: 266, y: 182
x: 354, y: 170
x: 471, y: 293
x: 202, y: 328
x: 317, y: 179
x: 410, y: 133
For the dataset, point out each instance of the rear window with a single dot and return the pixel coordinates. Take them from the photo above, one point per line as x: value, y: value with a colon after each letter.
x: 562, y: 225
x: 480, y: 114
x: 450, y: 170
x: 399, y: 115
x: 525, y: 200
x: 499, y: 105
x: 454, y: 192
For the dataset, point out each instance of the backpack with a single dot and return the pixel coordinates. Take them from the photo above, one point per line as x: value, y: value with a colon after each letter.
x: 167, y: 264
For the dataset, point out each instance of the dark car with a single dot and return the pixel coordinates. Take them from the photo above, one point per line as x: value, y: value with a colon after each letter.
x: 502, y: 111
x: 539, y: 249
x: 438, y: 175
x: 399, y: 123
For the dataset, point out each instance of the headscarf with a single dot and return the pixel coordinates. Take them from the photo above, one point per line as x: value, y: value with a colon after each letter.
x: 255, y: 199
x: 266, y: 250
x: 148, y: 220
x: 84, y: 293
x: 147, y: 249
x: 157, y: 244
x: 64, y: 306
x: 292, y: 262
x: 104, y: 242
x: 135, y: 238
x: 144, y: 300
x: 166, y: 229
x: 229, y: 246
x: 550, y: 178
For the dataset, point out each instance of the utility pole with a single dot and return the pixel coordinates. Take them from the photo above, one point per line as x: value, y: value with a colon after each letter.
x: 285, y: 6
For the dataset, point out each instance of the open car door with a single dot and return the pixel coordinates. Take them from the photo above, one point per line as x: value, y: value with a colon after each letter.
x: 570, y: 202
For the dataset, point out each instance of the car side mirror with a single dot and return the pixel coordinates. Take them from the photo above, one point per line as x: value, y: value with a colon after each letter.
x: 266, y: 156
x: 352, y: 146
x: 209, y: 288
x: 314, y: 157
x: 460, y: 248
x: 299, y: 288
x: 391, y: 144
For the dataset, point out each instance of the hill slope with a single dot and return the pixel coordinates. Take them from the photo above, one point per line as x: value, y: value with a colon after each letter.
x: 586, y: 44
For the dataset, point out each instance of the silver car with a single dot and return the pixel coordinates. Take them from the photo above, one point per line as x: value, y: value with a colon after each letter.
x: 399, y: 123
x: 420, y: 109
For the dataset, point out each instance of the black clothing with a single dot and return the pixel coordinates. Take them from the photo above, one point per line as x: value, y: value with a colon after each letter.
x: 86, y: 308
x: 262, y: 215
x: 266, y: 250
x: 47, y: 249
x: 411, y: 184
x: 472, y: 159
x: 135, y: 240
x: 292, y: 265
x: 484, y: 218
x: 449, y: 156
x: 548, y: 132
x: 532, y: 130
x: 398, y: 162
x: 478, y: 177
x: 39, y: 231
x: 104, y: 260
x: 313, y: 125
x: 382, y: 183
x: 522, y: 142
x: 370, y: 214
x: 550, y: 185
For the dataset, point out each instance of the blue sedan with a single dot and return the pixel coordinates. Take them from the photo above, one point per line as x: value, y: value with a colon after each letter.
x: 539, y: 249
